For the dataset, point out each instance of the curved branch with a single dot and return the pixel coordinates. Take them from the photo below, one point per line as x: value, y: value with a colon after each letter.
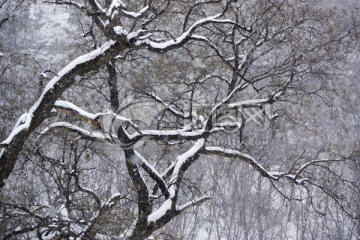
x: 184, y: 38
x: 168, y: 106
x: 82, y: 132
x: 12, y: 146
x: 73, y: 110
x: 153, y: 174
x: 242, y: 156
x: 193, y: 203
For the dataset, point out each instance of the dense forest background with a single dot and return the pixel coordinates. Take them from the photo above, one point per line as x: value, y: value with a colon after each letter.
x: 180, y: 119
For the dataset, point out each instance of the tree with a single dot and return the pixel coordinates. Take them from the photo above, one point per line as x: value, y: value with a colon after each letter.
x: 169, y: 110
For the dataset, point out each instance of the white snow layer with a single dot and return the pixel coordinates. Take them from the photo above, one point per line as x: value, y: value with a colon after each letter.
x: 27, y: 118
x: 73, y: 107
x: 166, y: 206
x: 137, y: 14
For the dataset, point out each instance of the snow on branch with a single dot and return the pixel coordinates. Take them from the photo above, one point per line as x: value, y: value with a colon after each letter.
x: 193, y: 203
x: 98, y: 120
x: 208, y: 77
x: 84, y: 133
x: 27, y: 119
x: 181, y: 164
x: 72, y: 109
x: 294, y: 177
x: 242, y: 156
x: 160, y: 212
x: 168, y: 106
x: 98, y: 6
x: 198, y: 3
x: 177, y: 134
x: 114, y: 6
x: 153, y: 174
x: 302, y: 168
x: 257, y: 102
x: 183, y: 159
x: 135, y: 14
x: 186, y: 36
x: 108, y: 120
x: 221, y: 106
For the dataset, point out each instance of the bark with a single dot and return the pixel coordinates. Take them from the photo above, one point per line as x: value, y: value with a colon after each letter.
x: 112, y: 81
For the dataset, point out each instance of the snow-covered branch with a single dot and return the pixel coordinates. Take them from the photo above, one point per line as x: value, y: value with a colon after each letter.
x: 193, y: 203
x: 96, y: 5
x: 138, y: 14
x: 168, y: 106
x: 180, y: 166
x: 98, y: 120
x: 109, y: 122
x: 293, y: 177
x: 43, y: 106
x: 185, y: 159
x: 83, y: 64
x: 257, y: 102
x: 219, y: 108
x: 72, y: 109
x: 242, y: 156
x: 155, y: 175
x: 95, y: 135
x: 185, y: 37
x: 143, y: 202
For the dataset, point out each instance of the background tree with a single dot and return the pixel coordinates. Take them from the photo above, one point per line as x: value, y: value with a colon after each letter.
x: 126, y: 172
